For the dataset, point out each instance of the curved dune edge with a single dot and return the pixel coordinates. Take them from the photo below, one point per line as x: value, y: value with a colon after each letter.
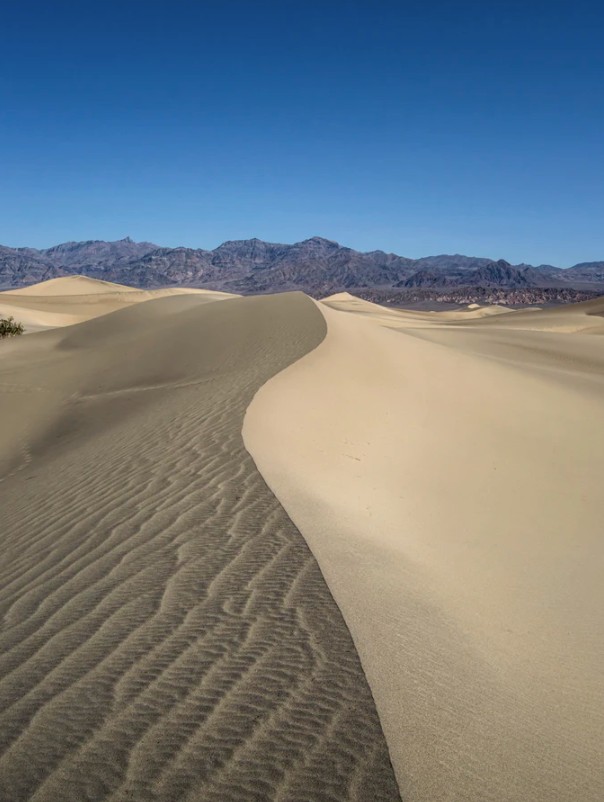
x: 448, y: 481
x: 74, y: 299
x: 165, y: 633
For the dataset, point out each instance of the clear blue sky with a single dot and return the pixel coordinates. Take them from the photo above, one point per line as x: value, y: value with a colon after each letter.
x: 419, y: 128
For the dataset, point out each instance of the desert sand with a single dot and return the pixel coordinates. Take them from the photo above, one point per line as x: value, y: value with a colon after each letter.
x: 165, y: 632
x: 73, y: 299
x: 446, y: 470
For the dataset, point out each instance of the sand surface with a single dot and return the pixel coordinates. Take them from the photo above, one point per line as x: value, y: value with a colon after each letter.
x: 165, y: 633
x: 446, y: 470
x: 74, y: 299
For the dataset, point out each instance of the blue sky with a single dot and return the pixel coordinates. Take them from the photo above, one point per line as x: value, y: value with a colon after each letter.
x: 418, y: 128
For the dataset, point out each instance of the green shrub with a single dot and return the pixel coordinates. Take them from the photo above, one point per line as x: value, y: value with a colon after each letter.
x: 9, y: 327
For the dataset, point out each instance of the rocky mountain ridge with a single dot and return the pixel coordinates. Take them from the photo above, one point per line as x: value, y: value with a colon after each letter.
x: 317, y: 266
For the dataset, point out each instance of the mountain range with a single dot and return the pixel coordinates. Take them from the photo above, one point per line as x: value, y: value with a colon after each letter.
x: 317, y: 266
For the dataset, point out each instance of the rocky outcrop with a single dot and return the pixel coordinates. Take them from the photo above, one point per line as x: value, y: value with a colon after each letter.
x: 527, y: 296
x: 493, y: 274
x: 318, y: 266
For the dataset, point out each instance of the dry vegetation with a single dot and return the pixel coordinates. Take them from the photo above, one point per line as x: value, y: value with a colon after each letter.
x: 9, y: 327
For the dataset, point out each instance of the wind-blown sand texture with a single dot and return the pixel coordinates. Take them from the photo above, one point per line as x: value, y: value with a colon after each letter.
x: 446, y: 470
x: 165, y: 633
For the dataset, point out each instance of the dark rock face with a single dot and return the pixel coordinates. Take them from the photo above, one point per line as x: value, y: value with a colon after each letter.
x: 96, y: 252
x: 494, y: 274
x: 455, y: 296
x: 316, y: 265
x: 20, y: 266
x: 455, y: 261
x: 586, y: 271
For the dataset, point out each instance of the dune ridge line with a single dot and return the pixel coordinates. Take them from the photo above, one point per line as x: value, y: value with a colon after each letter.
x: 165, y: 632
x: 445, y: 469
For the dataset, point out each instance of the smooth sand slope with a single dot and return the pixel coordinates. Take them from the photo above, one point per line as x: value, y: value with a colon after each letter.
x: 165, y: 633
x: 446, y: 470
x: 73, y: 299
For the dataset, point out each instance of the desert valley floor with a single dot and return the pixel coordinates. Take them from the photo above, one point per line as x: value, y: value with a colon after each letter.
x: 267, y: 548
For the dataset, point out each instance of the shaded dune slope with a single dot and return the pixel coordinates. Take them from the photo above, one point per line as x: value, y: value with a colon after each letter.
x: 165, y: 633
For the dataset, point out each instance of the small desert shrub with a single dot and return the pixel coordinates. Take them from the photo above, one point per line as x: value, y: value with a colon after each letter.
x: 9, y: 327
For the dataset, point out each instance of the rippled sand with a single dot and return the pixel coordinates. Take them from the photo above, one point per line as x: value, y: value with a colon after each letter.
x: 165, y: 633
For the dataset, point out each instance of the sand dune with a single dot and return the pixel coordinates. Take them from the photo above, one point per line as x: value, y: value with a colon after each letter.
x: 71, y: 285
x: 165, y: 632
x: 74, y: 299
x: 344, y: 302
x: 587, y: 316
x: 446, y: 470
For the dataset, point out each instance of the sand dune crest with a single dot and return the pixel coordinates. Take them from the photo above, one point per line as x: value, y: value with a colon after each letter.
x: 74, y: 299
x: 165, y: 632
x: 446, y: 473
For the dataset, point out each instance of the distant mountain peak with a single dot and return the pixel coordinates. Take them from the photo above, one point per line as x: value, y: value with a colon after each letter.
x: 321, y: 241
x: 316, y: 265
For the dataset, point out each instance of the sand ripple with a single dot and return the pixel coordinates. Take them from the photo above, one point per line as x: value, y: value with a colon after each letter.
x: 165, y: 632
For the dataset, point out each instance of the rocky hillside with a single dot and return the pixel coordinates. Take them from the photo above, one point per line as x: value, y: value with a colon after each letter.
x: 317, y: 266
x: 491, y: 274
x: 454, y: 296
x: 20, y: 266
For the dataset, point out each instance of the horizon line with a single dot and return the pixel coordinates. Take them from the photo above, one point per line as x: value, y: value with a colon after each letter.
x: 128, y: 238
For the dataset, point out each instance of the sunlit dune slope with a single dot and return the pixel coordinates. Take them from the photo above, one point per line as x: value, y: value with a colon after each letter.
x: 447, y: 472
x: 345, y: 302
x: 71, y: 285
x: 74, y: 299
